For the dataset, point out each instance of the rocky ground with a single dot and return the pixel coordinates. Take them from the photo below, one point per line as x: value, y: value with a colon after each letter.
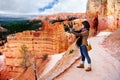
x: 112, y: 44
x: 105, y: 61
x: 104, y: 65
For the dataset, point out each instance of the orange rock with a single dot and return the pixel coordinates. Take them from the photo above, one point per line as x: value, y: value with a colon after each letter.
x: 51, y: 39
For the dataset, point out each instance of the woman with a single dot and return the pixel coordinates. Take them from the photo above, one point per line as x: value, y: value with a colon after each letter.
x: 82, y: 35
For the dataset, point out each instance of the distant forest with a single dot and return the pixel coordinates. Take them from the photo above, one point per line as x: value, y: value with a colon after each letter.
x: 15, y: 26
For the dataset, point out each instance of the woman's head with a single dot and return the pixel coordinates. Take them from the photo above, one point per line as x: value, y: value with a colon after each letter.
x: 86, y: 24
x: 77, y: 24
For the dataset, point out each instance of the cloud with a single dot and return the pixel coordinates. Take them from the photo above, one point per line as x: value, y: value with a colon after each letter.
x: 49, y: 6
x: 41, y: 6
x: 22, y: 6
x: 68, y: 6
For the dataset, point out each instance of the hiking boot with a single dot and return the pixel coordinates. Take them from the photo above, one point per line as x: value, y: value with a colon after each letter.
x: 88, y: 69
x: 80, y: 66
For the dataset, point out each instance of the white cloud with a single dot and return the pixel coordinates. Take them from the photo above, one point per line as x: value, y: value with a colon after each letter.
x: 68, y: 6
x: 22, y: 6
x: 33, y: 6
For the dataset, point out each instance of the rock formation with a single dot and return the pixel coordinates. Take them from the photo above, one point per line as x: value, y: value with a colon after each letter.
x: 51, y: 39
x: 63, y: 16
x: 108, y: 12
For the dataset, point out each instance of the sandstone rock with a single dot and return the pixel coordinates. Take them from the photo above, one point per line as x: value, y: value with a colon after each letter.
x: 108, y: 13
x: 51, y: 39
x: 112, y: 43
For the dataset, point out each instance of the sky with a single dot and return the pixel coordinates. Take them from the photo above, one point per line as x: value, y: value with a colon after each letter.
x: 30, y: 7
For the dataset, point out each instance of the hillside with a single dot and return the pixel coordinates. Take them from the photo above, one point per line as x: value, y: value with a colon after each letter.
x: 112, y: 44
x: 104, y: 65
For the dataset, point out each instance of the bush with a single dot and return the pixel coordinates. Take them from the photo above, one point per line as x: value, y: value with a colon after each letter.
x: 24, y: 51
x: 45, y: 56
x: 71, y: 51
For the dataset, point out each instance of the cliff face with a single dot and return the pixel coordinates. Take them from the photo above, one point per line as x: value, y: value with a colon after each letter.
x: 51, y: 39
x: 108, y: 12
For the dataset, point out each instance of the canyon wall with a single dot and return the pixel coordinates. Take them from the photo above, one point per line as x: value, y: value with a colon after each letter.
x: 50, y: 39
x: 107, y: 11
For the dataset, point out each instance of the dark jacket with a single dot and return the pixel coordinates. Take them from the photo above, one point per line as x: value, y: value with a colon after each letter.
x: 82, y: 36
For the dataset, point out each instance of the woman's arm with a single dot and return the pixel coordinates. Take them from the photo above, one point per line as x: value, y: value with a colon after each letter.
x: 76, y: 34
x: 84, y: 33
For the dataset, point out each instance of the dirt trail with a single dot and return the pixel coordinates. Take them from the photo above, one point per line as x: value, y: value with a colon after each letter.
x: 104, y: 66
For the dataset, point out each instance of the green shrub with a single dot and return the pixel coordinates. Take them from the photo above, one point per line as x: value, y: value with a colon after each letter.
x: 71, y: 51
x: 44, y: 57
